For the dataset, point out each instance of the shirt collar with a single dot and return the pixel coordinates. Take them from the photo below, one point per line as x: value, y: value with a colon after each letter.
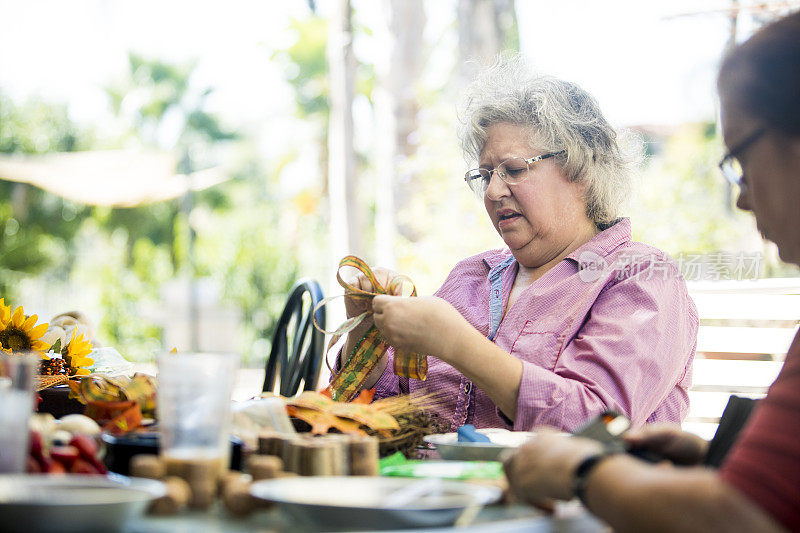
x: 494, y: 258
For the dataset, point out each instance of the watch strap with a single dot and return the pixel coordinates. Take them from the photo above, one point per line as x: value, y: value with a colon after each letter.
x: 583, y: 470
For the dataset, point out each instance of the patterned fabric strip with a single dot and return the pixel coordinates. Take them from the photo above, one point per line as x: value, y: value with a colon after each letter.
x: 410, y: 365
x: 346, y: 384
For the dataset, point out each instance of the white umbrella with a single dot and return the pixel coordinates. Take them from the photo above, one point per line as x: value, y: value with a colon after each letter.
x: 115, y: 178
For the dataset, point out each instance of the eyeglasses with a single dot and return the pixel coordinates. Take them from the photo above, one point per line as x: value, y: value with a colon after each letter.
x: 512, y: 171
x: 730, y: 165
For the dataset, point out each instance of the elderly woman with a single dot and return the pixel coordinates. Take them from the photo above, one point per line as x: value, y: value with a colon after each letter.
x: 572, y: 317
x: 758, y: 485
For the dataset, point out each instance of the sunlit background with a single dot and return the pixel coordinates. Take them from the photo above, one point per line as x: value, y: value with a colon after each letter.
x: 170, y: 167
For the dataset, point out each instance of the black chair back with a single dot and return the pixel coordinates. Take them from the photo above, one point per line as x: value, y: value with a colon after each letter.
x: 297, y: 345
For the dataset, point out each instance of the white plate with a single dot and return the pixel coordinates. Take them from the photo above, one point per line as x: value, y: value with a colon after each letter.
x: 449, y: 448
x: 365, y: 502
x: 67, y: 503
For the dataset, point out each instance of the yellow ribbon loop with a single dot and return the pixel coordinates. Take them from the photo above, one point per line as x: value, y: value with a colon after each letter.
x: 366, y: 354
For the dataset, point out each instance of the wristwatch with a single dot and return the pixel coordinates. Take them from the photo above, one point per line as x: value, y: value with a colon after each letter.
x: 585, y: 467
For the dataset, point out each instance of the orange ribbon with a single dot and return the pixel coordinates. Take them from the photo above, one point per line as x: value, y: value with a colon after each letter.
x: 349, y: 380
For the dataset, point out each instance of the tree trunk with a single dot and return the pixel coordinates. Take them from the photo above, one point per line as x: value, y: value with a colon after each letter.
x: 345, y: 227
x: 485, y: 28
x: 396, y: 108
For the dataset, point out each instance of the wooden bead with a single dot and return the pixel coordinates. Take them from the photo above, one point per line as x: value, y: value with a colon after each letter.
x: 203, y: 493
x: 175, y: 499
x: 290, y: 453
x: 195, y: 470
x: 341, y: 452
x: 147, y: 466
x: 229, y: 477
x: 364, y: 456
x: 271, y: 443
x: 202, y: 476
x: 316, y: 458
x: 264, y: 466
x: 237, y: 499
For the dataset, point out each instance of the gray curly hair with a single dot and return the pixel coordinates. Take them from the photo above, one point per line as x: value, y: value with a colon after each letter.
x: 560, y: 116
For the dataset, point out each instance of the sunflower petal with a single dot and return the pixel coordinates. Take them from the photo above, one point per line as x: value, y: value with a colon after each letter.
x: 29, y: 322
x: 82, y: 361
x: 82, y: 372
x: 18, y: 317
x: 39, y: 346
x: 78, y: 348
x: 38, y: 331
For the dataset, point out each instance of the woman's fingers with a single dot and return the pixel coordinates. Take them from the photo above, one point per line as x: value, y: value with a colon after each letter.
x: 654, y: 435
x: 396, y: 318
x: 355, y: 306
x: 427, y: 325
x: 383, y: 276
x: 669, y: 441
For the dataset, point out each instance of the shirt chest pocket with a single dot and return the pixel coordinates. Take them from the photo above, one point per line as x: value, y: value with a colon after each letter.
x: 537, y: 347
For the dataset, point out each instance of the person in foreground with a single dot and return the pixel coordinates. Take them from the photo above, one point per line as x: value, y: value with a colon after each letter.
x: 572, y: 317
x: 757, y: 487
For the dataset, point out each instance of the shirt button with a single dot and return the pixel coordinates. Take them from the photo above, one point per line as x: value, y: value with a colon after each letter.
x: 468, y: 387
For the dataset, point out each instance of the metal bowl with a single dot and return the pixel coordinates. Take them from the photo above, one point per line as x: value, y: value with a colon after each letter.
x: 73, y: 503
x: 450, y: 449
x: 367, y: 502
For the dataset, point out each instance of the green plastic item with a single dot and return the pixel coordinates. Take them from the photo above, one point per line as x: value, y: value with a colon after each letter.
x: 396, y: 458
x: 444, y: 469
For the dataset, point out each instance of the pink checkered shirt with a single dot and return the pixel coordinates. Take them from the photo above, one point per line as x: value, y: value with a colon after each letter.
x: 610, y: 327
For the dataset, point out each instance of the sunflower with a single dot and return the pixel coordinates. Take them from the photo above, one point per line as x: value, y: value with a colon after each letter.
x: 5, y: 314
x: 19, y: 333
x: 75, y: 354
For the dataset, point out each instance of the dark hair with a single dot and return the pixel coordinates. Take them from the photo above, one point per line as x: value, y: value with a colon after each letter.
x: 768, y: 83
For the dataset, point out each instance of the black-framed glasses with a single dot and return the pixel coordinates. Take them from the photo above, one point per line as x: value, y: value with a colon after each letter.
x: 730, y: 165
x: 512, y: 171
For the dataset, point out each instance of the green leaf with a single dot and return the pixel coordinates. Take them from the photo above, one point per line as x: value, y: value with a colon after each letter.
x: 56, y: 347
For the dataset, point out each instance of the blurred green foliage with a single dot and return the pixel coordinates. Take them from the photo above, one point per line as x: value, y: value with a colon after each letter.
x: 36, y: 227
x: 125, y: 256
x: 683, y: 203
x: 36, y: 127
x: 306, y: 65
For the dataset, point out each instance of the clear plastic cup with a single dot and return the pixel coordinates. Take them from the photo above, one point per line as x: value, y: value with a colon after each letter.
x: 194, y: 412
x: 16, y: 405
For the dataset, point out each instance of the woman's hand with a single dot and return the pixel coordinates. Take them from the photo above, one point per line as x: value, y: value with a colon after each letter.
x: 427, y: 325
x: 356, y: 306
x: 670, y: 442
x: 543, y: 469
